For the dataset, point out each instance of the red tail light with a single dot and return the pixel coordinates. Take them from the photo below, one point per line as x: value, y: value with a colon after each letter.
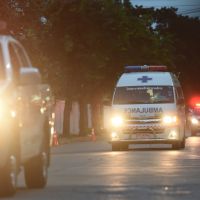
x: 195, y: 102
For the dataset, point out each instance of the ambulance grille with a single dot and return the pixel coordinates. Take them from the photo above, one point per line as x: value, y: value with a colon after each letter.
x: 143, y: 121
x: 144, y: 118
x: 140, y: 129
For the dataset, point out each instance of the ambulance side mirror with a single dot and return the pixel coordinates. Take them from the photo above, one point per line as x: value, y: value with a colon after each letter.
x: 180, y: 101
x: 29, y: 76
x: 188, y: 109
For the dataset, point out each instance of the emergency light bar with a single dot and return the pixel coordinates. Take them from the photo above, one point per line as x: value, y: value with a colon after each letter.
x: 145, y: 68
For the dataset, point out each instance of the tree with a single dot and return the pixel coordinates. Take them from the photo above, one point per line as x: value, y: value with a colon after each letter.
x: 186, y: 41
x: 82, y: 46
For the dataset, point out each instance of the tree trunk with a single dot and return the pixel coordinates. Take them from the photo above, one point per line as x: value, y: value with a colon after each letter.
x: 83, y: 117
x: 96, y: 117
x: 66, y: 121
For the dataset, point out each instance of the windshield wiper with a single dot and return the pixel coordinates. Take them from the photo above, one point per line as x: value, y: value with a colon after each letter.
x: 162, y: 101
x: 138, y: 102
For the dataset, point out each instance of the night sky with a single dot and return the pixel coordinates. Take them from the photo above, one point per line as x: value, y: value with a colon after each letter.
x: 185, y: 7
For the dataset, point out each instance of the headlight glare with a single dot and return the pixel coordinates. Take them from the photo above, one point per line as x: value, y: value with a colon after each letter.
x: 117, y: 121
x: 6, y: 110
x: 114, y: 135
x: 194, y: 121
x: 169, y: 119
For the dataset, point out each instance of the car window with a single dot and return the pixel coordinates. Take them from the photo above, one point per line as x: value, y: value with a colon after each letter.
x: 23, y: 59
x: 15, y: 62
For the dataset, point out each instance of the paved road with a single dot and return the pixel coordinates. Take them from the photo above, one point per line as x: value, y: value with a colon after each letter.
x: 89, y: 170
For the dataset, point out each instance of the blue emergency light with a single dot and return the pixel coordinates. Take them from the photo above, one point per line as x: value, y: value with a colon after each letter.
x: 145, y: 68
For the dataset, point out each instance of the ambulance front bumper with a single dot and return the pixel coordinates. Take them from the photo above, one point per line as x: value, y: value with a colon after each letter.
x: 145, y: 141
x: 147, y: 134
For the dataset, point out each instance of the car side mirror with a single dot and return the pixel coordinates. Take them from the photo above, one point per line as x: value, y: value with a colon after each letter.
x: 107, y: 102
x: 29, y: 76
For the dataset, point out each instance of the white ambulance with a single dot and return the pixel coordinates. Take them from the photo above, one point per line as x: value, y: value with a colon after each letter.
x: 148, y: 107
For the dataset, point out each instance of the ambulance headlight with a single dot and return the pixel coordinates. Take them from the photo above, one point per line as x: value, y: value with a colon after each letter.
x: 117, y: 121
x: 194, y: 121
x: 169, y: 120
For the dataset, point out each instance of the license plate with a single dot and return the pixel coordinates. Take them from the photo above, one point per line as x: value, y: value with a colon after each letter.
x: 144, y: 136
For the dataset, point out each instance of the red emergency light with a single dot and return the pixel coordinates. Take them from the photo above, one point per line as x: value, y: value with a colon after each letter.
x: 158, y: 68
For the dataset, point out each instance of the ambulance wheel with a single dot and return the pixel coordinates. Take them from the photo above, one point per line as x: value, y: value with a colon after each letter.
x: 183, y: 144
x: 115, y: 147
x: 36, y: 171
x: 176, y: 145
x: 8, y: 177
x: 124, y: 147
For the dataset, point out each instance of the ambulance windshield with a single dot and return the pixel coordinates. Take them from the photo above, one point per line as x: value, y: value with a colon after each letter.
x: 143, y: 95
